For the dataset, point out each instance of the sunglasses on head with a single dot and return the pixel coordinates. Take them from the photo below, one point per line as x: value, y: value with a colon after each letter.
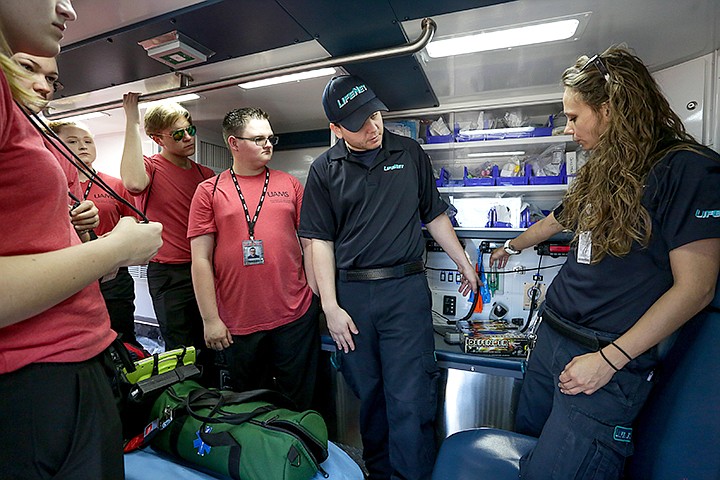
x: 178, y: 135
x: 598, y: 63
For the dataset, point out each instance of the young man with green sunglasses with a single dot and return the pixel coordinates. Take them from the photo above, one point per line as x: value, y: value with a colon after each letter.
x: 163, y: 185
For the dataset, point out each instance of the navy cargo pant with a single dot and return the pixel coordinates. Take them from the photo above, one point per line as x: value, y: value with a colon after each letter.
x: 393, y: 372
x: 580, y: 436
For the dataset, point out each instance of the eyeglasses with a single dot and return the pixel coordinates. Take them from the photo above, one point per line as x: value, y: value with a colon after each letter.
x: 261, y: 141
x: 178, y: 135
x: 599, y: 64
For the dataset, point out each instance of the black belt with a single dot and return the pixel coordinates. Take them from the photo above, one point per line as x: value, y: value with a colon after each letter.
x: 384, y: 273
x: 587, y: 337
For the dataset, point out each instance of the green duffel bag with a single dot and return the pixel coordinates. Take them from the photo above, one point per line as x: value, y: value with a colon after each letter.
x: 251, y: 435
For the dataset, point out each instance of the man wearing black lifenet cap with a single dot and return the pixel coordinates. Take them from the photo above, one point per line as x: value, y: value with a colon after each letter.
x: 365, y: 199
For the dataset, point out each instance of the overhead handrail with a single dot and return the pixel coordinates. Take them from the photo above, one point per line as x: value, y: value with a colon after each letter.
x: 428, y: 30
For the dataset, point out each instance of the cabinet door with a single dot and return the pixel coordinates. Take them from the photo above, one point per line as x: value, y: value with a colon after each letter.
x: 688, y: 88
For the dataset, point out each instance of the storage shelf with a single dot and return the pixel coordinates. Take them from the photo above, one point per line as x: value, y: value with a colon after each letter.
x: 500, y: 234
x: 555, y: 189
x: 488, y: 144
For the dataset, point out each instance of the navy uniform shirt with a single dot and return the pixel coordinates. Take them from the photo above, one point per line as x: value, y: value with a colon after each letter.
x: 682, y: 195
x: 372, y: 214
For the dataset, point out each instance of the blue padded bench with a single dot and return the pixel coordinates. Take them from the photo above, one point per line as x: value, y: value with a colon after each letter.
x: 149, y: 464
x: 677, y: 434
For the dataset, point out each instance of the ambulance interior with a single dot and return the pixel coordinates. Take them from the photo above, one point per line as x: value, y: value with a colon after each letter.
x: 214, y: 48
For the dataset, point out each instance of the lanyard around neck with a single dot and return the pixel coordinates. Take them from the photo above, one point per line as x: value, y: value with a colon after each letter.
x: 89, y: 186
x: 251, y: 223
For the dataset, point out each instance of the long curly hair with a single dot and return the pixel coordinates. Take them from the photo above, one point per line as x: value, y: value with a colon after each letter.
x: 606, y: 196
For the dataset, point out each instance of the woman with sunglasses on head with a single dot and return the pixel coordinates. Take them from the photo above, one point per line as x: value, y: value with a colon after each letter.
x: 164, y: 185
x: 56, y: 404
x: 644, y: 260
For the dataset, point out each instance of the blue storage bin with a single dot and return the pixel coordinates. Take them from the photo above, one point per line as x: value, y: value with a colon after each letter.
x: 506, y: 133
x: 440, y: 138
x: 480, y: 181
x: 444, y: 179
x: 520, y: 180
x: 550, y: 179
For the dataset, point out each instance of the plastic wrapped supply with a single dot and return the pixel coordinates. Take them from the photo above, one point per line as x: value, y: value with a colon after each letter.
x: 519, y: 128
x: 406, y: 128
x: 549, y: 162
x: 548, y: 167
x: 515, y: 119
x: 439, y: 128
x: 512, y: 168
x: 530, y: 214
x: 439, y: 132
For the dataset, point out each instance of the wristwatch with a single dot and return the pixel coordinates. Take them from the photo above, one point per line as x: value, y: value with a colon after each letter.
x: 509, y: 248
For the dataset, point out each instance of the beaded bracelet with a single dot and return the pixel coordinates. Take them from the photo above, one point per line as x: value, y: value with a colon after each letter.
x: 608, y: 361
x: 621, y: 350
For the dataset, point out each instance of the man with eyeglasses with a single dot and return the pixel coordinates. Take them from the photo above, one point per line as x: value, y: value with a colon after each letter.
x: 243, y: 233
x: 163, y: 185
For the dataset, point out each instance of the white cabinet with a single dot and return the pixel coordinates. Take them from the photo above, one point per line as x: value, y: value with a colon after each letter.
x: 504, y: 143
x: 474, y: 202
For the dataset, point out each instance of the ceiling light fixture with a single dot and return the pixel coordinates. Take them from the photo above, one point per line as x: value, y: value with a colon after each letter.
x: 177, y: 99
x: 295, y: 77
x: 549, y: 30
x: 84, y: 116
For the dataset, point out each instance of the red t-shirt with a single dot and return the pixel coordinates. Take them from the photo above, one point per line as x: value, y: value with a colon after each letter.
x: 77, y: 328
x: 167, y: 199
x: 71, y: 173
x: 110, y: 209
x: 255, y: 297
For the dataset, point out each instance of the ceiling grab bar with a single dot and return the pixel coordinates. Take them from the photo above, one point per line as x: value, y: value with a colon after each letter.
x: 428, y: 30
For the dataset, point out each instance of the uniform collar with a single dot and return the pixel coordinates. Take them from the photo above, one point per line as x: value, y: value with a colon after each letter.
x: 390, y: 143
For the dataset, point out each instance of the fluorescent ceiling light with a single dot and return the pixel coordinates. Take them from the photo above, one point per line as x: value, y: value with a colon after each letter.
x: 84, y: 116
x: 178, y: 99
x: 496, y: 154
x: 506, y: 37
x: 294, y: 77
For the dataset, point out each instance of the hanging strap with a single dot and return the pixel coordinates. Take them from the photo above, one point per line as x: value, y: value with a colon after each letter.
x: 215, y: 400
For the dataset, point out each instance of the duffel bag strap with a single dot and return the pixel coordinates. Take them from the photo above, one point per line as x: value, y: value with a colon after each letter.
x: 233, y: 398
x: 260, y: 395
x: 194, y: 401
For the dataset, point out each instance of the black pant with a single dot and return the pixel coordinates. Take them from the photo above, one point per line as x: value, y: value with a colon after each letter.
x: 60, y: 421
x: 580, y: 436
x: 394, y: 373
x: 178, y: 315
x: 119, y: 295
x: 175, y: 306
x: 284, y: 358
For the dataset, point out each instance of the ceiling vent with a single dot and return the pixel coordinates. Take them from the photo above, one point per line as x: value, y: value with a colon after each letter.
x: 176, y: 50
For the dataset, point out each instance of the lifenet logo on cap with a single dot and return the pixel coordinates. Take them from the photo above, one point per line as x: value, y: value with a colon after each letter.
x: 348, y: 101
x: 357, y: 90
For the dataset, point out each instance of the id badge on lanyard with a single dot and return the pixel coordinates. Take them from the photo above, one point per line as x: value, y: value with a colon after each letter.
x: 253, y: 251
x: 584, y: 250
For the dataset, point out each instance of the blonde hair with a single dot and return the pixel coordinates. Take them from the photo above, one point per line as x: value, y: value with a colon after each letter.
x: 164, y: 116
x: 58, y: 125
x: 13, y: 71
x: 606, y: 196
